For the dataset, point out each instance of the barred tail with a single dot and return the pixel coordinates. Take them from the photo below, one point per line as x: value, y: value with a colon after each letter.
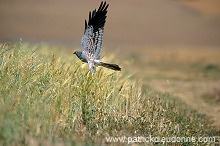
x: 111, y: 66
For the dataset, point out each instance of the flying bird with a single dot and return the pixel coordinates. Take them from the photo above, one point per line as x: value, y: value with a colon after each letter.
x: 92, y: 40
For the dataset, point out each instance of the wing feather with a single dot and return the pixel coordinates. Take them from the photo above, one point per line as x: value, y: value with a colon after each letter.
x: 94, y: 29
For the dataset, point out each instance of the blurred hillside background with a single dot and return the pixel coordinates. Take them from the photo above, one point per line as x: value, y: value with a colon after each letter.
x: 129, y: 23
x: 173, y: 45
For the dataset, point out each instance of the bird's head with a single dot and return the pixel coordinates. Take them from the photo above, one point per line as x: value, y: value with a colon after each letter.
x: 77, y: 53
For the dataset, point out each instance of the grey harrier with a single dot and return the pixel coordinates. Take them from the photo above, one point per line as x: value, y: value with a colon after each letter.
x: 92, y: 40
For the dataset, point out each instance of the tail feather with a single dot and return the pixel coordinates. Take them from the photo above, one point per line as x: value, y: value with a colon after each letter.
x: 111, y: 66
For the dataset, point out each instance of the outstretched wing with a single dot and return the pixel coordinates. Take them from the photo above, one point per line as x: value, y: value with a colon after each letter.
x: 93, y: 36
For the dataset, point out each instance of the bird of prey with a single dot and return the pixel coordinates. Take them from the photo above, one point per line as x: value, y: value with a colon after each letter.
x: 92, y: 39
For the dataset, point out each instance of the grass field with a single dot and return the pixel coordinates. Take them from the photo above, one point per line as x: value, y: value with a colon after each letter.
x: 190, y: 73
x: 48, y: 98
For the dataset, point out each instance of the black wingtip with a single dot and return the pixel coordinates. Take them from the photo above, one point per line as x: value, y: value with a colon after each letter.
x: 100, y: 6
x: 98, y: 18
x: 85, y: 24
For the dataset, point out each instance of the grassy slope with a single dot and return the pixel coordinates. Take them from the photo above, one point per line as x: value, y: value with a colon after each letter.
x: 48, y: 98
